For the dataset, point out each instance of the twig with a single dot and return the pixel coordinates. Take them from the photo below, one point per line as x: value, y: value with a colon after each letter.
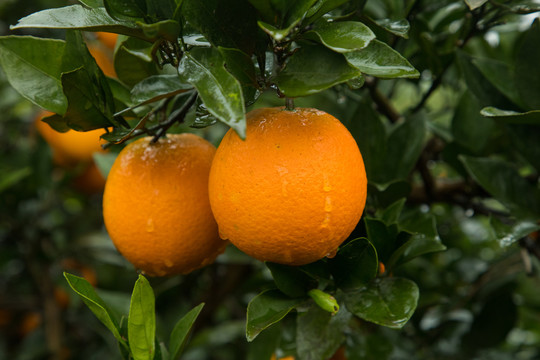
x: 176, y: 116
x: 383, y: 103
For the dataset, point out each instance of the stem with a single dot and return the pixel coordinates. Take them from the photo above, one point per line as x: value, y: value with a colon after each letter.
x: 383, y: 103
x: 289, y: 104
x: 176, y: 116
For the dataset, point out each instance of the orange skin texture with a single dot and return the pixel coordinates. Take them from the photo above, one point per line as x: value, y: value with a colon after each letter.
x: 293, y: 191
x: 107, y: 39
x: 156, y: 207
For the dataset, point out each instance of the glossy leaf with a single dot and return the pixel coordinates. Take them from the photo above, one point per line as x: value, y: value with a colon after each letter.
x: 313, y: 69
x: 265, y: 344
x: 85, y: 107
x: 390, y: 215
x: 527, y: 71
x: 424, y: 239
x: 166, y: 29
x: 397, y: 27
x: 507, y: 234
x: 78, y: 17
x: 181, y: 331
x: 34, y: 76
x: 504, y: 183
x: 512, y: 117
x: 319, y: 334
x: 133, y: 61
x: 266, y: 309
x: 380, y: 60
x: 142, y: 321
x: 342, y: 37
x: 291, y: 280
x: 157, y: 87
x: 241, y: 66
x: 218, y: 89
x: 89, y: 296
x: 355, y: 264
x: 386, y: 301
x: 292, y: 15
x: 383, y: 237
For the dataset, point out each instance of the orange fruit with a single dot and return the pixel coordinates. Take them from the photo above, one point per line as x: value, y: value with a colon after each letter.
x: 156, y: 207
x: 107, y: 39
x: 90, y: 180
x: 103, y: 59
x: 293, y: 190
x: 70, y: 147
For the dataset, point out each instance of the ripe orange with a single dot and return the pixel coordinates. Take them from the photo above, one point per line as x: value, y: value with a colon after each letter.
x: 107, y: 39
x: 71, y: 147
x: 293, y: 190
x: 156, y: 206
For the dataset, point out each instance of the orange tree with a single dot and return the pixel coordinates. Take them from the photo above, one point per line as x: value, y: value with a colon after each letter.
x: 442, y: 99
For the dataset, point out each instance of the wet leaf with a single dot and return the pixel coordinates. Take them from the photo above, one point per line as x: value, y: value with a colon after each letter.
x: 397, y: 27
x: 266, y: 309
x: 512, y: 117
x: 344, y: 36
x: 386, y: 301
x: 507, y: 234
x: 313, y: 69
x: 380, y: 60
x: 218, y: 89
x: 355, y: 264
x: 291, y: 280
x: 527, y: 71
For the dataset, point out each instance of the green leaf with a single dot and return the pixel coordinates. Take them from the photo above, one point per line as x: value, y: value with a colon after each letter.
x: 34, y: 76
x: 266, y: 309
x: 133, y: 61
x: 291, y: 280
x: 512, y: 117
x: 470, y: 129
x: 501, y: 76
x: 355, y: 264
x: 507, y: 234
x: 319, y: 334
x: 424, y: 239
x: 166, y: 29
x: 527, y: 73
x: 474, y: 4
x: 486, y: 93
x: 504, y: 183
x: 399, y: 27
x: 218, y: 89
x: 293, y: 14
x: 89, y: 296
x: 240, y: 65
x: 157, y: 87
x: 181, y: 331
x: 142, y: 321
x: 386, y: 301
x: 313, y: 68
x: 342, y: 37
x: 78, y: 17
x: 12, y: 177
x: 390, y: 215
x: 380, y: 60
x: 382, y: 195
x: 85, y: 107
x: 224, y: 23
x: 383, y: 237
x: 264, y: 346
